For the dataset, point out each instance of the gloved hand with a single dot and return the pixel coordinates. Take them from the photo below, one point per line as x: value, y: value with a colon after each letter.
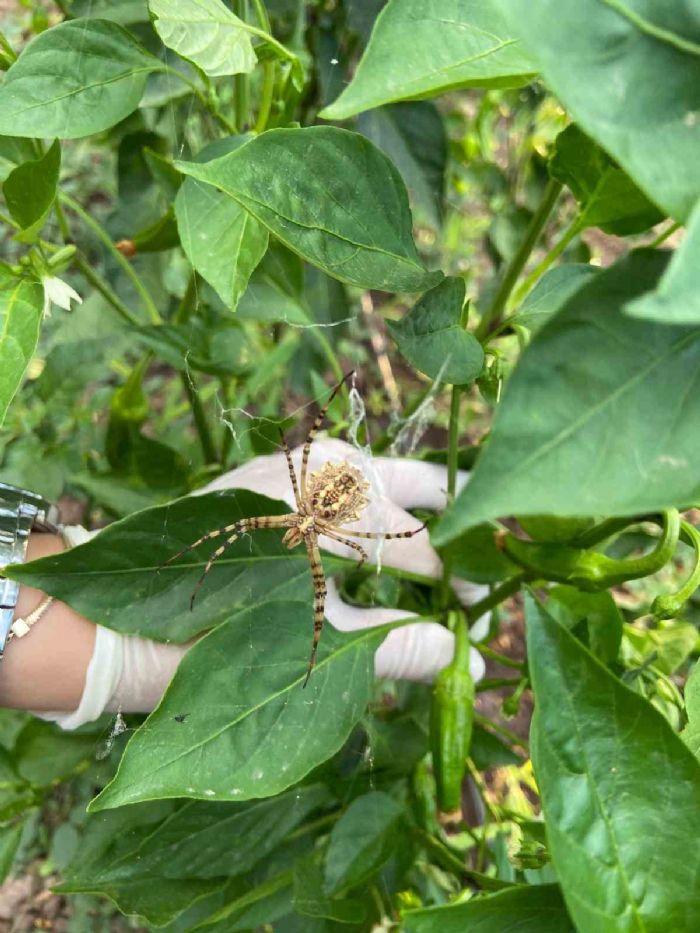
x: 130, y: 674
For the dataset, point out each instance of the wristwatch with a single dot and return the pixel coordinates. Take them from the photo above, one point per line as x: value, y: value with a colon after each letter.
x: 21, y: 512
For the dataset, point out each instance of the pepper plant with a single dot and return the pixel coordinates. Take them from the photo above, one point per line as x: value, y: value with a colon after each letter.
x: 509, y: 192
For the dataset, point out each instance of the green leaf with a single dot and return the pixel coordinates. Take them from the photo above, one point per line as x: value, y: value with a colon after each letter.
x: 691, y: 733
x: 670, y: 645
x: 276, y: 289
x: 420, y: 49
x: 80, y: 77
x: 413, y: 136
x: 250, y: 729
x: 488, y: 751
x: 310, y: 900
x: 676, y: 300
x: 629, y: 74
x: 223, y: 241
x: 21, y: 311
x: 206, y: 33
x: 30, y: 191
x: 552, y: 292
x: 362, y: 840
x: 598, y: 433
x: 598, y: 611
x: 10, y: 837
x: 475, y: 556
x: 532, y: 909
x: 124, y: 565
x: 607, y: 196
x: 601, y: 753
x: 162, y: 865
x: 433, y: 340
x: 332, y: 197
x: 219, y: 351
x: 45, y: 755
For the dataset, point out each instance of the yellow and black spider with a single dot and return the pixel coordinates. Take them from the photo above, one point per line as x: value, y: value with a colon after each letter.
x: 333, y: 496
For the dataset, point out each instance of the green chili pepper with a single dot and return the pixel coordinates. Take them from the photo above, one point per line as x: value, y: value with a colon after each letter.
x: 591, y: 570
x: 670, y: 605
x: 451, y: 721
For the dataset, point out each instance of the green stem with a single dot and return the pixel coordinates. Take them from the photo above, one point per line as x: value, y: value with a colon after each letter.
x: 670, y: 605
x: 493, y: 313
x: 200, y: 419
x: 241, y: 88
x: 496, y: 596
x: 500, y: 730
x: 555, y: 252
x: 499, y: 658
x: 452, y: 460
x: 495, y: 683
x: 5, y: 46
x: 101, y: 285
x: 94, y: 278
x: 330, y: 354
x: 606, y: 529
x: 124, y: 264
x: 267, y: 95
x: 184, y: 309
x: 665, y: 235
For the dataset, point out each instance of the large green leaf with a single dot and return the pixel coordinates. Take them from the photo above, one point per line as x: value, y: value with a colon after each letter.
x: 590, y: 420
x: 362, y: 840
x: 677, y: 298
x: 250, y: 729
x: 629, y: 73
x: 619, y: 789
x: 223, y: 241
x: 599, y: 614
x: 552, y: 292
x: 534, y: 909
x: 21, y: 309
x: 166, y: 862
x: 30, y: 190
x: 329, y: 195
x: 206, y: 33
x: 607, y: 196
x: 433, y: 339
x: 123, y: 567
x: 420, y: 48
x: 78, y: 78
x: 413, y: 135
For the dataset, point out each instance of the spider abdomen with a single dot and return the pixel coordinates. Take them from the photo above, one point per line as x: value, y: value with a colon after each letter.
x: 337, y: 493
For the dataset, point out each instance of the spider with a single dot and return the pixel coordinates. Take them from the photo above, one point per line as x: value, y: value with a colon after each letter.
x: 326, y: 500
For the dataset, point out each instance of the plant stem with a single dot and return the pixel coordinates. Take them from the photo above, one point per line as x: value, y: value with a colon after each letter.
x: 502, y: 659
x: 494, y: 683
x: 501, y: 593
x: 555, y: 252
x: 452, y: 459
x: 200, y: 418
x: 330, y: 353
x: 500, y: 730
x: 94, y: 278
x: 665, y: 235
x: 124, y: 264
x: 515, y: 266
x: 101, y: 285
x: 241, y: 81
x: 267, y: 91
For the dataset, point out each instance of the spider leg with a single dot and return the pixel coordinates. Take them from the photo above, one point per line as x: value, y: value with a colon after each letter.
x: 313, y: 431
x: 242, y: 526
x: 325, y: 530
x: 225, y: 529
x: 290, y: 466
x: 381, y: 534
x: 320, y: 591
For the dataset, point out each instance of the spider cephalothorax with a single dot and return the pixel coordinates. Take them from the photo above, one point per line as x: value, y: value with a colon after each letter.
x: 333, y: 496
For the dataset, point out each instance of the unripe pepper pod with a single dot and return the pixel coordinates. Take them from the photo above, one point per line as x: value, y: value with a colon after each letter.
x: 452, y: 716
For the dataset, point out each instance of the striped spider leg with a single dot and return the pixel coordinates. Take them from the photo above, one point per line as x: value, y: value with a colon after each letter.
x: 325, y: 500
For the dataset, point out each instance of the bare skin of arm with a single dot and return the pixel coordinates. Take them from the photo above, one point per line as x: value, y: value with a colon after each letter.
x: 46, y: 669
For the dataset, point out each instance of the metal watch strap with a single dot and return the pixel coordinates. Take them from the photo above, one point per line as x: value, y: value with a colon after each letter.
x: 20, y: 512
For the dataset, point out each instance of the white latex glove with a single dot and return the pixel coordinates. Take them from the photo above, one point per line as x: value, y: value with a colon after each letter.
x: 129, y: 674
